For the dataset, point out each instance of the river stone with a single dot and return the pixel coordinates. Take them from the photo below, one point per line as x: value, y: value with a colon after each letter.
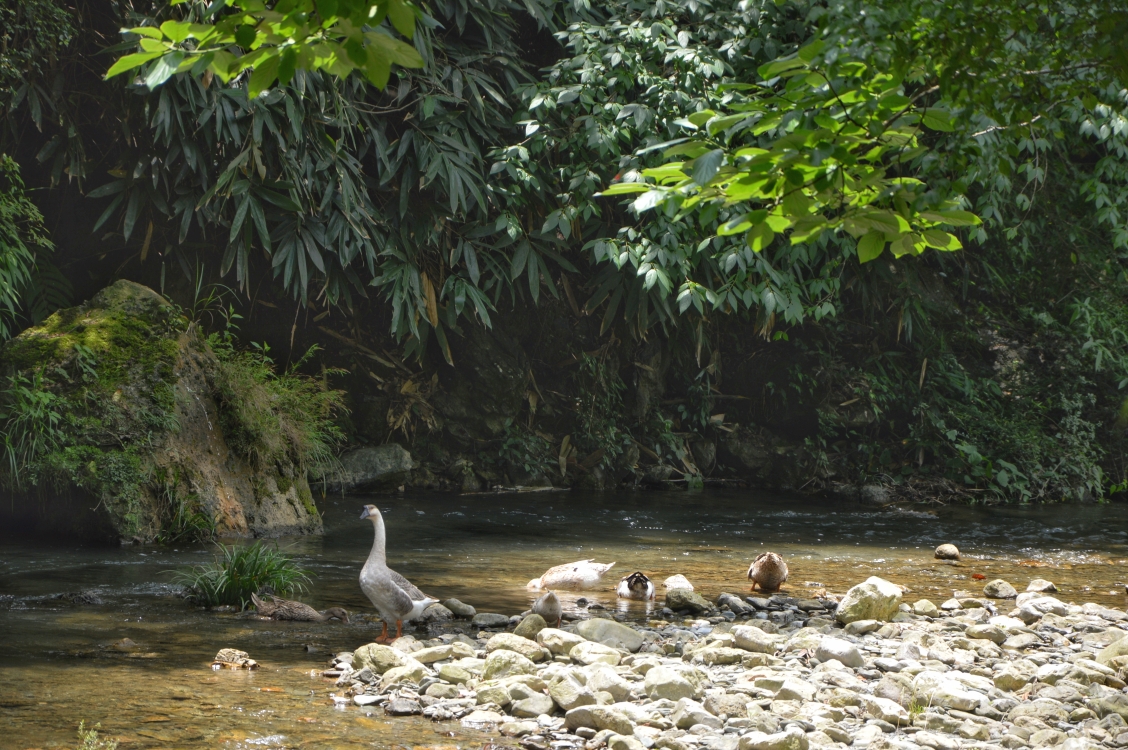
x: 569, y: 693
x: 663, y: 682
x: 442, y: 691
x: 681, y: 599
x: 513, y: 642
x: 794, y: 689
x: 370, y: 467
x: 947, y: 552
x: 861, y: 627
x: 530, y: 626
x: 688, y: 712
x: 992, y: 633
x: 792, y: 738
x: 1107, y: 701
x: 489, y: 620
x: 455, y: 674
x: 732, y: 705
x: 999, y: 589
x: 598, y: 717
x: 365, y: 700
x: 925, y: 608
x: 519, y: 728
x: 937, y: 689
x: 1042, y: 586
x: 610, y: 633
x: 602, y: 678
x: 875, y: 599
x: 677, y: 582
x: 714, y: 655
x: 754, y: 639
x: 411, y: 671
x: 1045, y: 709
x: 559, y: 642
x: 1113, y: 650
x: 433, y: 654
x: 505, y: 662
x: 1011, y: 678
x: 402, y: 707
x: 532, y: 707
x: 378, y: 658
x: 459, y: 609
x: 482, y: 719
x: 886, y: 710
x: 495, y: 694
x: 590, y: 653
x: 624, y: 742
x: 844, y: 651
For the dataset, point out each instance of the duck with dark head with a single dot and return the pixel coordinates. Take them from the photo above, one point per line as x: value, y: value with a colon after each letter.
x: 395, y: 598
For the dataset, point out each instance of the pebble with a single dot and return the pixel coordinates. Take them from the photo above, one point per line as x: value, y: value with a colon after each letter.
x: 781, y: 674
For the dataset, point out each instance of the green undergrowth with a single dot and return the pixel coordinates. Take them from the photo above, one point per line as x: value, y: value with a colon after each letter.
x: 90, y: 740
x: 239, y: 571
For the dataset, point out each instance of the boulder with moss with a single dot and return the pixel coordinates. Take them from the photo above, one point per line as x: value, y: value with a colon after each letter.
x: 123, y: 416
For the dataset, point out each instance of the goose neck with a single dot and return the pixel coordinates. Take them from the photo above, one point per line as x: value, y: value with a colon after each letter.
x: 379, y: 540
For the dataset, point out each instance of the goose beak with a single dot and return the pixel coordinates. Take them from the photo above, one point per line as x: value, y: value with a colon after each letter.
x: 364, y: 513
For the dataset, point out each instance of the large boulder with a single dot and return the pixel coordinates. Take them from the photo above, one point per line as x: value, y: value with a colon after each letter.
x: 663, y: 682
x: 156, y: 431
x: 513, y: 642
x: 874, y: 599
x: 687, y: 599
x: 371, y: 467
x: 504, y: 663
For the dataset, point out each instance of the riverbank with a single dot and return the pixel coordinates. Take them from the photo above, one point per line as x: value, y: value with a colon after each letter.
x: 866, y: 669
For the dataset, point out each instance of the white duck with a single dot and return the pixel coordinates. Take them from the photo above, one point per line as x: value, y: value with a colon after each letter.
x: 395, y: 598
x: 579, y: 575
x: 636, y: 586
x: 549, y: 607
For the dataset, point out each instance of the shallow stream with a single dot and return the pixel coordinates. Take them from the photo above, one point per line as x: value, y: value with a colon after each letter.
x: 59, y: 665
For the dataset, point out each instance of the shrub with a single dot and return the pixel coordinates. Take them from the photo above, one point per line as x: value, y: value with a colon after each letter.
x: 239, y: 572
x: 90, y: 740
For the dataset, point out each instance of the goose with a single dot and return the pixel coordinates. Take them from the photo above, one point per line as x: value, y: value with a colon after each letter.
x: 768, y: 571
x: 285, y: 609
x: 395, y: 598
x: 635, y: 586
x: 579, y: 575
x: 549, y: 607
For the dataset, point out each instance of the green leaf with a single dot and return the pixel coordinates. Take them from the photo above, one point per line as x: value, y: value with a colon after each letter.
x: 163, y: 69
x: 706, y: 166
x: 623, y: 188
x: 265, y: 72
x: 941, y: 240
x: 870, y: 246
x: 397, y: 51
x: 936, y: 118
x: 177, y: 31
x: 129, y: 62
x: 402, y: 17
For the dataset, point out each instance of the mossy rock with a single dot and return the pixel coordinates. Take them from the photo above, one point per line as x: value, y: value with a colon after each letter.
x: 136, y: 425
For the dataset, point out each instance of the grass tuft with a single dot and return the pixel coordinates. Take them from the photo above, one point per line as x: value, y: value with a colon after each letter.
x: 239, y: 572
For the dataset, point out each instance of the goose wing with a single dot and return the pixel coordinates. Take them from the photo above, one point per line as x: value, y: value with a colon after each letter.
x: 408, y: 587
x: 386, y: 593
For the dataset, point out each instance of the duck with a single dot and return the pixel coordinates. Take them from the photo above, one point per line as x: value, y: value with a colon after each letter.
x: 635, y: 586
x: 395, y: 598
x: 678, y: 582
x: 768, y: 571
x: 549, y: 607
x: 579, y: 575
x: 285, y: 609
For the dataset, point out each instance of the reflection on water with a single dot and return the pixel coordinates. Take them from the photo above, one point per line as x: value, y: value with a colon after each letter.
x: 58, y: 662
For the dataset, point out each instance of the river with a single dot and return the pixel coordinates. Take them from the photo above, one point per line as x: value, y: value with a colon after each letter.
x: 59, y: 664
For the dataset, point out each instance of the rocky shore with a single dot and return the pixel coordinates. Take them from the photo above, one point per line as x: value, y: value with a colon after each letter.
x: 866, y: 669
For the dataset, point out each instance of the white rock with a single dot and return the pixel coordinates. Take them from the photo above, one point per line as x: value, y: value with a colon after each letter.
x: 842, y: 650
x: 875, y: 599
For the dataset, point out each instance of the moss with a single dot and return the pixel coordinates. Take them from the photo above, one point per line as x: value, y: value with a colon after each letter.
x: 284, y: 483
x: 306, y: 498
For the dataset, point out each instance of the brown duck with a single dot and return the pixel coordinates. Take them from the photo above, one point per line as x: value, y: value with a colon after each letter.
x: 768, y: 571
x: 285, y: 609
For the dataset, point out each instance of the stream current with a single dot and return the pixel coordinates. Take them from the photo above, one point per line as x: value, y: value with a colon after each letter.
x: 59, y: 663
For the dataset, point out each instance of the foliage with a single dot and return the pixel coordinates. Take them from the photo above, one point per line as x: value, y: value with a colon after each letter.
x: 30, y: 418
x: 276, y: 419
x: 232, y: 36
x: 90, y: 740
x: 22, y: 238
x: 239, y: 571
x: 600, y: 434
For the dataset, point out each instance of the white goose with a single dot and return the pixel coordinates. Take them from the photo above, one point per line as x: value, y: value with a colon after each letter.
x: 395, y: 598
x: 582, y: 574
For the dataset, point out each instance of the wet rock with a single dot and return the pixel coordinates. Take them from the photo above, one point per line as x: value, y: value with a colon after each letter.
x: 377, y: 657
x: 687, y: 599
x: 610, y: 633
x: 234, y: 659
x: 1042, y: 586
x: 402, y: 707
x: 513, y: 642
x: 947, y: 552
x: 519, y: 728
x: 663, y: 682
x: 371, y: 467
x: 489, y: 620
x: 437, y: 613
x: 677, y: 582
x: 411, y: 671
x: 999, y: 589
x: 875, y: 599
x: 530, y: 626
x: 532, y: 707
x: 459, y: 609
x: 925, y: 608
x: 591, y: 653
x: 842, y: 650
x: 365, y: 700
x: 503, y: 663
x: 559, y: 642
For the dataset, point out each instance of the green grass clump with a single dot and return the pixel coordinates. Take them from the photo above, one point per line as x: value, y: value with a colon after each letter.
x: 90, y: 740
x: 239, y: 572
